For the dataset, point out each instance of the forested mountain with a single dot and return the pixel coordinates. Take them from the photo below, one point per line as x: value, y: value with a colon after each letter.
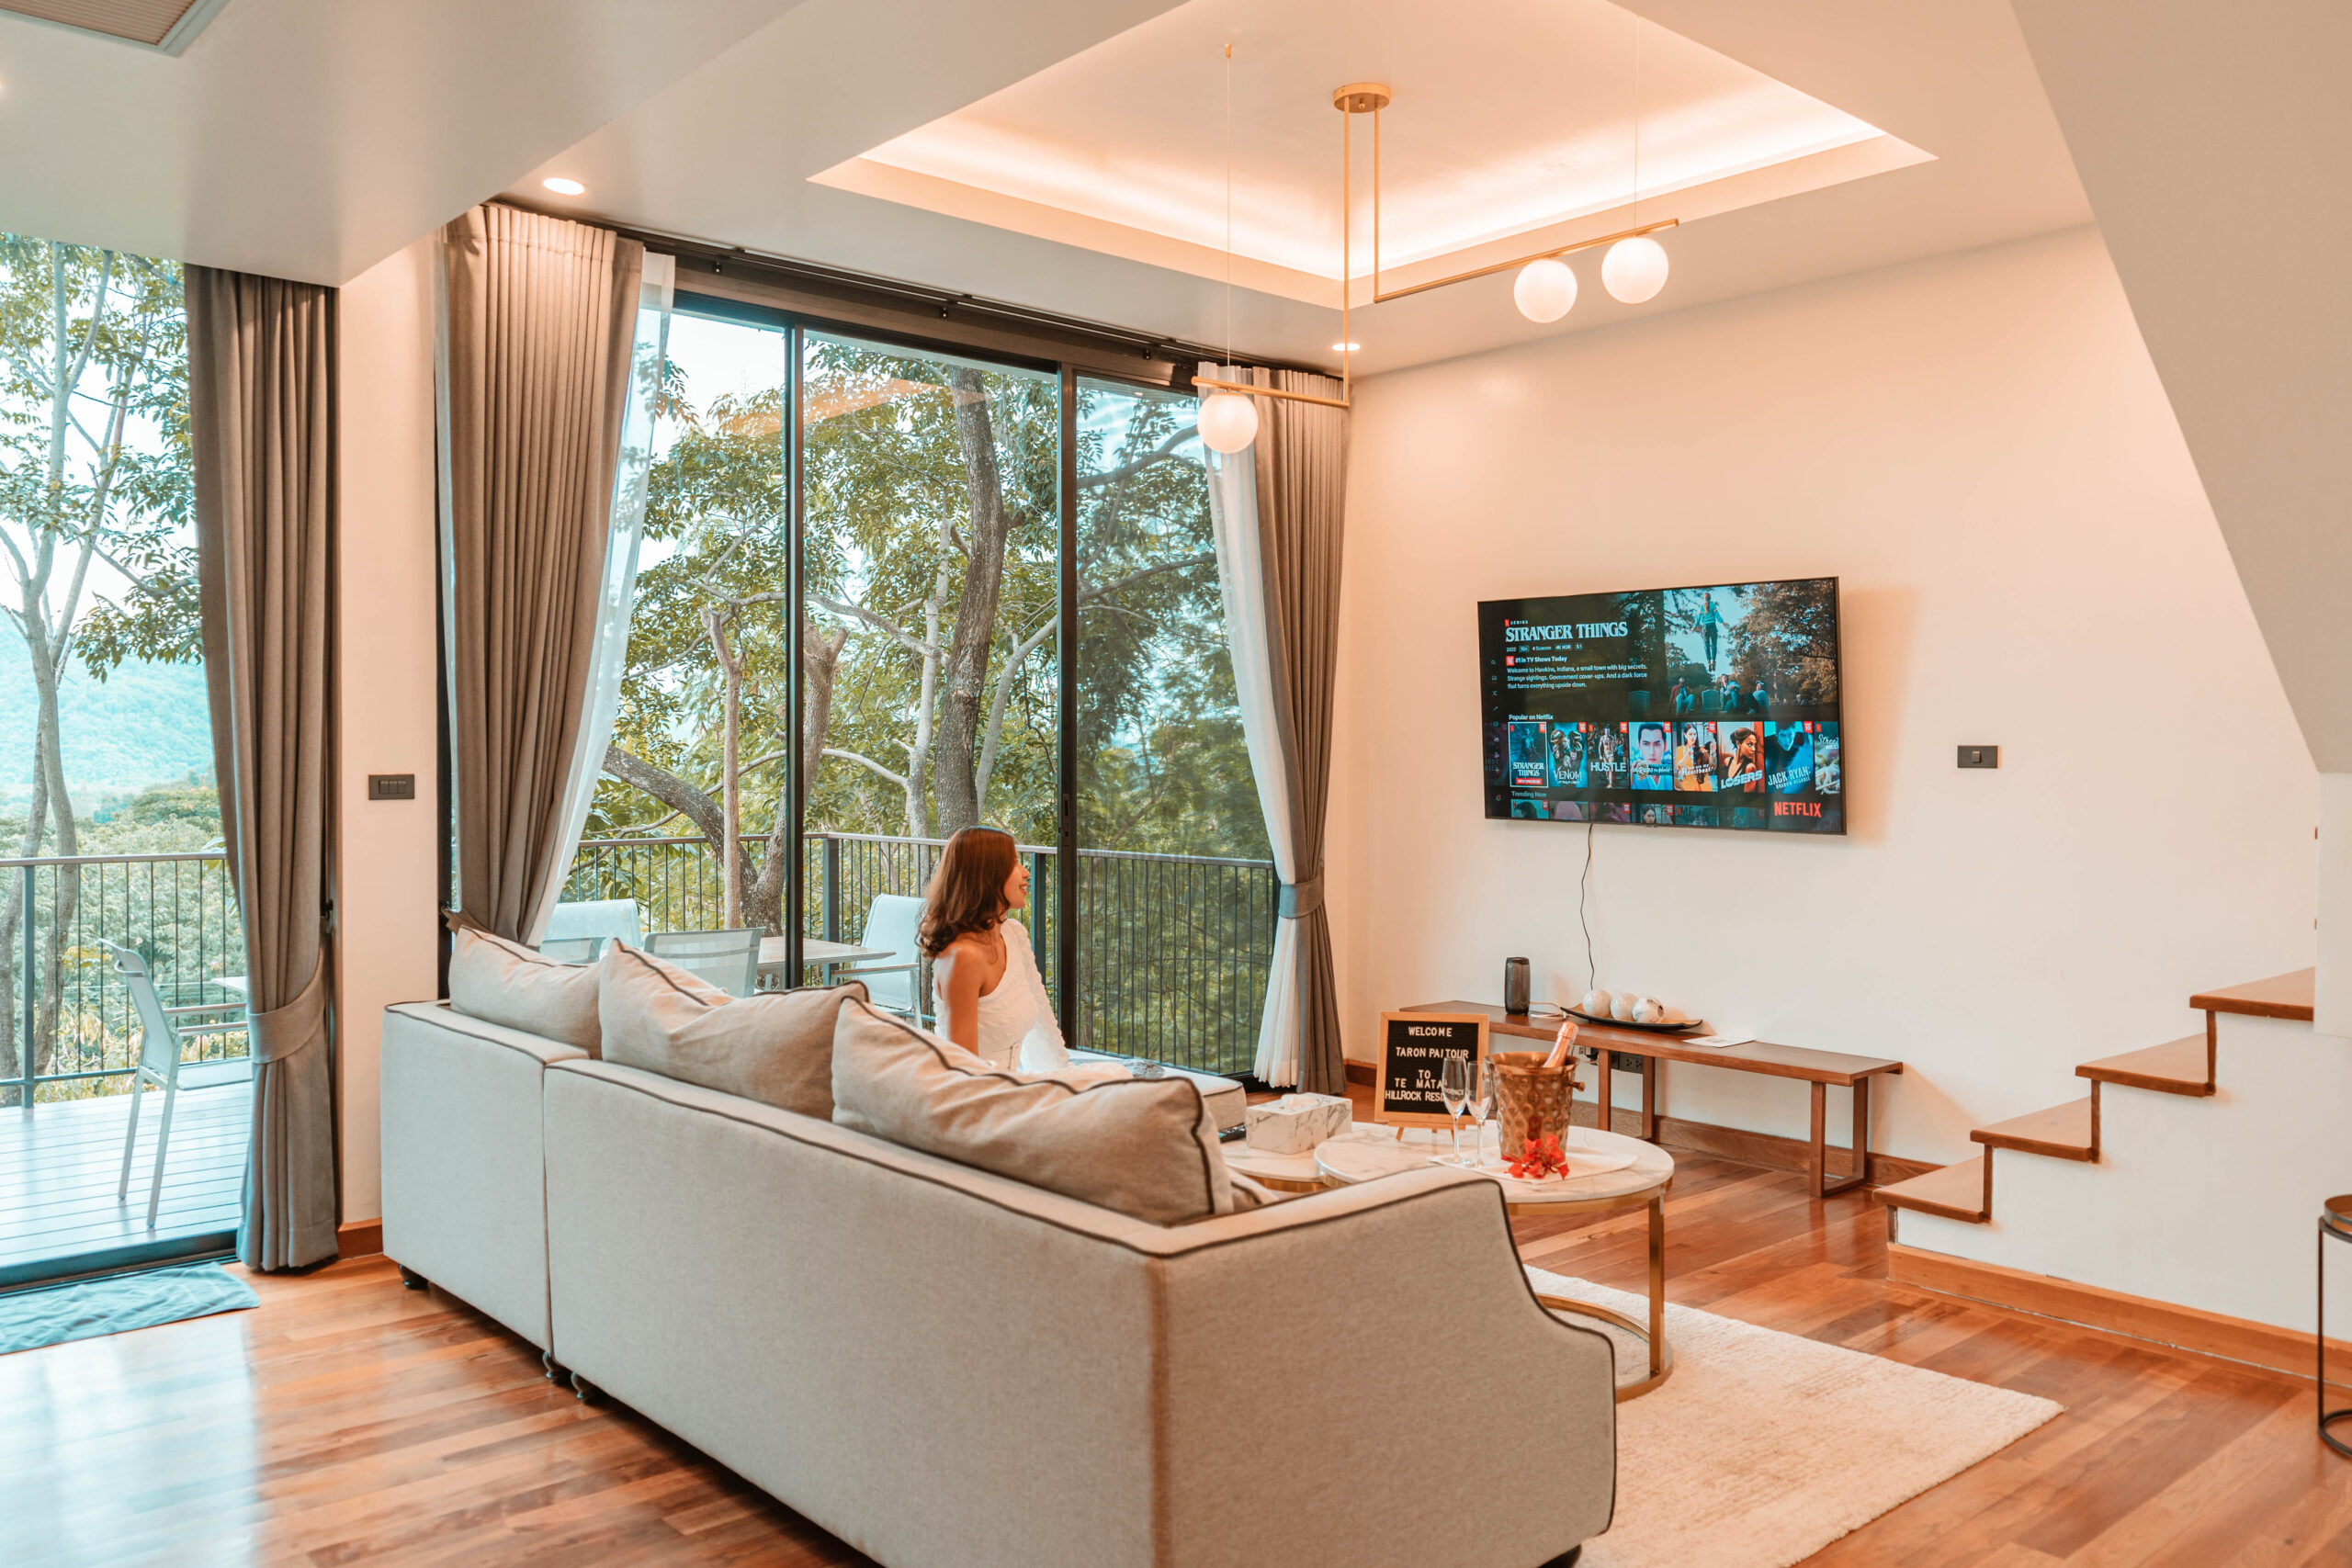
x: 143, y: 725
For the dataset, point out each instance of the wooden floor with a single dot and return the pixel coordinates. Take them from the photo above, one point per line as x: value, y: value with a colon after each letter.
x: 60, y: 1164
x: 349, y: 1420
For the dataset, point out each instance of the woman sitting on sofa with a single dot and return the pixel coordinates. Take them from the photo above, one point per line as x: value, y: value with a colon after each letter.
x: 984, y: 978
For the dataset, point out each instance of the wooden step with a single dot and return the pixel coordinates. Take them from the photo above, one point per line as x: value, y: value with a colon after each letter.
x: 1962, y: 1191
x: 2062, y: 1131
x: 2183, y: 1067
x: 2281, y: 996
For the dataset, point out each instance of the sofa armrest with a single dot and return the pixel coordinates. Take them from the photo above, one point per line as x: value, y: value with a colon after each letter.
x: 444, y: 1015
x: 464, y: 1159
x: 1345, y: 1372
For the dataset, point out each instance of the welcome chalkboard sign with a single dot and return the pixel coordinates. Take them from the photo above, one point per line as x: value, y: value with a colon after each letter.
x: 1413, y: 1049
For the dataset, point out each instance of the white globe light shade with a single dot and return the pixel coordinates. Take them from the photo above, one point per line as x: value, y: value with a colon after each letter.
x: 1229, y: 422
x: 1546, y: 289
x: 1634, y: 270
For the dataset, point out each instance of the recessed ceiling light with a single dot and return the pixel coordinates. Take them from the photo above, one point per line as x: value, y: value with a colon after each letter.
x: 562, y: 186
x: 1347, y: 348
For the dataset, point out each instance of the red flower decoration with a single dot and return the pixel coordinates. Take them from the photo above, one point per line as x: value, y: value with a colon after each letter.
x: 1542, y: 1157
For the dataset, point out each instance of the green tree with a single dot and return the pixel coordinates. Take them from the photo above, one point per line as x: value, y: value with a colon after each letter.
x: 94, y: 479
x: 930, y: 623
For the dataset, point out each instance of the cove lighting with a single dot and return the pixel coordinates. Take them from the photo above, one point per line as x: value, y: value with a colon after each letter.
x: 562, y: 186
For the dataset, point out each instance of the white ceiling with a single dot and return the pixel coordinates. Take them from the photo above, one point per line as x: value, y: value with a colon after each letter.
x: 311, y: 137
x: 1952, y: 79
x: 1511, y: 117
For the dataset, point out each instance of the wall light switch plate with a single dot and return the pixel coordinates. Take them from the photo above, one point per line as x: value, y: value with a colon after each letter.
x: 1979, y: 755
x: 391, y: 787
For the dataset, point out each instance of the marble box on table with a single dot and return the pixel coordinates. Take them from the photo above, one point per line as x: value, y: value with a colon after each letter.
x: 1295, y: 1124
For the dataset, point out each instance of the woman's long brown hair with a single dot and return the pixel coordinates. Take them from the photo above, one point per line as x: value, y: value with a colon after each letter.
x: 966, y: 893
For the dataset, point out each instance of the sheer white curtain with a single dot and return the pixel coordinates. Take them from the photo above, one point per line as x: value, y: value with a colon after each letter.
x: 611, y: 654
x: 1233, y: 518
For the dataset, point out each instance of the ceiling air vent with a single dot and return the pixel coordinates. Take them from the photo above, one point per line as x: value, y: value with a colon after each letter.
x: 165, y: 25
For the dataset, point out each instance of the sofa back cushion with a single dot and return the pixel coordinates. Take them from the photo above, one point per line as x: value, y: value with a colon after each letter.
x: 775, y: 1048
x: 505, y: 983
x: 1143, y: 1147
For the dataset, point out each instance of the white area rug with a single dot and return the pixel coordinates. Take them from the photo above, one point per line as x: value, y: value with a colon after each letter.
x: 1763, y: 1448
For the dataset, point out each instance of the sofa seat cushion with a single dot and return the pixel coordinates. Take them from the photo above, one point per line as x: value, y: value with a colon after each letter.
x: 775, y: 1048
x: 505, y: 983
x: 1145, y: 1148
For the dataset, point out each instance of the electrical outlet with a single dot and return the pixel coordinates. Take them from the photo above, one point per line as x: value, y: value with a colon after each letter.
x: 1979, y: 755
x: 391, y: 787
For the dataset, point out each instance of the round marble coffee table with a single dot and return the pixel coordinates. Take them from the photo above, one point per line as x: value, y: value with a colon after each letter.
x: 1366, y: 1152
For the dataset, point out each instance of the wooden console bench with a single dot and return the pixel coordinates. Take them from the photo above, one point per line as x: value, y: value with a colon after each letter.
x: 1819, y: 1068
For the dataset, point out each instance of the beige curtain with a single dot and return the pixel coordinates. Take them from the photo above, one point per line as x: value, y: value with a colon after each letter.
x: 1280, y: 511
x: 538, y: 325
x: 261, y: 418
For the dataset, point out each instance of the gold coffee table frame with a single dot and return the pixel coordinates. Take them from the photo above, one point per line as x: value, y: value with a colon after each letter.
x: 1652, y: 1335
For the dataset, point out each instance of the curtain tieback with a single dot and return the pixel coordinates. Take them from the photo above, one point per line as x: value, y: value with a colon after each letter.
x: 284, y: 1031
x: 1300, y: 899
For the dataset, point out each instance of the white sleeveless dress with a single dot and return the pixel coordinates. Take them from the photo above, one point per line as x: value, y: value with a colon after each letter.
x: 1017, y: 1027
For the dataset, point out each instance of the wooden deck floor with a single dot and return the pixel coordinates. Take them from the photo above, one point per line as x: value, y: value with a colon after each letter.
x: 351, y: 1420
x: 59, y: 1164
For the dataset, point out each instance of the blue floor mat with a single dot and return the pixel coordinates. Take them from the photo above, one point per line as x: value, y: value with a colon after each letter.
x: 55, y: 1314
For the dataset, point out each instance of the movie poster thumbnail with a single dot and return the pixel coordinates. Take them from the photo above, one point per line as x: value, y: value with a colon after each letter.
x: 1568, y: 762
x: 1653, y: 755
x: 1694, y: 756
x: 1654, y: 815
x: 1572, y: 811
x: 1530, y: 755
x: 1788, y: 756
x: 1607, y: 765
x: 1739, y: 757
x: 1828, y: 775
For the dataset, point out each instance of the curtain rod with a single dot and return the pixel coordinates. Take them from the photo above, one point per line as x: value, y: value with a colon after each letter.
x: 921, y: 304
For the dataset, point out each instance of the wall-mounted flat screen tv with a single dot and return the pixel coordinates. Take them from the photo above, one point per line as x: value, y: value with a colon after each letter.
x: 1672, y: 707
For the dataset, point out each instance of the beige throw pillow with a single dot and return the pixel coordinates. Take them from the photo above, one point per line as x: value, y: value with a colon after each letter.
x: 1143, y: 1147
x: 775, y: 1048
x: 506, y: 983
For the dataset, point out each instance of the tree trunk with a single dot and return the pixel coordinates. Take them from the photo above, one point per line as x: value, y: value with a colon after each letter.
x: 673, y: 792
x: 964, y: 702
x: 821, y: 657
x: 65, y: 896
x: 730, y: 784
x: 16, y: 911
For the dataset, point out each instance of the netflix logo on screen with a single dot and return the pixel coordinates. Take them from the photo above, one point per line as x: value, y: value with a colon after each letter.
x: 1796, y: 808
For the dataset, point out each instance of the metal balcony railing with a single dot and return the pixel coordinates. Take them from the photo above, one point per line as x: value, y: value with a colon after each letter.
x: 71, y: 1032
x: 1172, y: 949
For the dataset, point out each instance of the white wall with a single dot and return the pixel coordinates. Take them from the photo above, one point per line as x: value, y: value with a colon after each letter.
x: 386, y: 869
x: 2206, y: 1202
x: 1979, y: 447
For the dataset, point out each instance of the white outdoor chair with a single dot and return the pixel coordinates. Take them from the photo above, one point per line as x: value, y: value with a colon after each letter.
x: 160, y: 1040
x: 602, y: 917
x: 729, y: 958
x: 894, y: 922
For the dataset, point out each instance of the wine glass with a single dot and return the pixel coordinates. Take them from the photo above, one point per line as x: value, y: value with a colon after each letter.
x: 1453, y: 1085
x: 1481, y: 1107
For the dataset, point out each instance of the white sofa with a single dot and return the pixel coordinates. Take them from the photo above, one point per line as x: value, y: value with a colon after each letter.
x: 949, y: 1368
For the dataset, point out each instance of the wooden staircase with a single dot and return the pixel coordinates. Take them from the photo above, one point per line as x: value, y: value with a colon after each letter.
x: 2071, y: 1132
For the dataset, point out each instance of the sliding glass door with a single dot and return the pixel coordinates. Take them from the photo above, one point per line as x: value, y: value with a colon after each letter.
x: 1175, y: 888
x: 931, y: 690
x: 889, y: 592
